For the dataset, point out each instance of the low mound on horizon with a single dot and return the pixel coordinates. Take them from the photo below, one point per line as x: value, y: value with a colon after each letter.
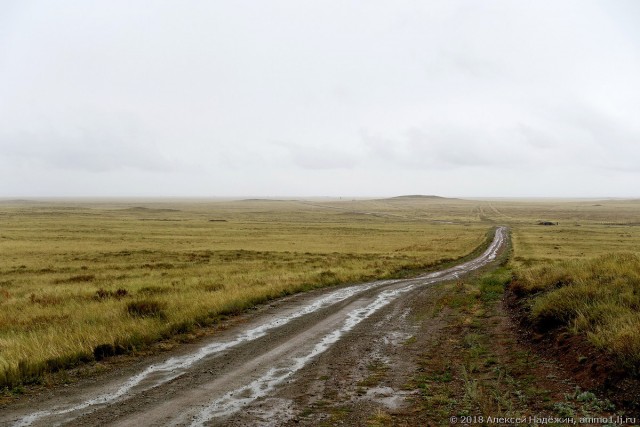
x: 149, y: 210
x: 419, y: 197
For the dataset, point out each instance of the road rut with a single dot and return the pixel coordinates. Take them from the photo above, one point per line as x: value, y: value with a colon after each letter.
x: 240, y: 368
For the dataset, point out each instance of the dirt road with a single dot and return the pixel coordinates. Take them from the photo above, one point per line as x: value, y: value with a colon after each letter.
x: 258, y: 372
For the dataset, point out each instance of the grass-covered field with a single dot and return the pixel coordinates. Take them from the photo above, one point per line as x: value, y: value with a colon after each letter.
x: 585, y: 229
x: 582, y: 275
x: 81, y: 280
x: 84, y: 279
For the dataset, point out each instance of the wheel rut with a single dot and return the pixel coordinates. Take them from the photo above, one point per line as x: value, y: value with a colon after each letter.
x: 240, y: 372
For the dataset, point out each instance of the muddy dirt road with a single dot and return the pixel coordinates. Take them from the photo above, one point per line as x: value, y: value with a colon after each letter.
x: 255, y: 372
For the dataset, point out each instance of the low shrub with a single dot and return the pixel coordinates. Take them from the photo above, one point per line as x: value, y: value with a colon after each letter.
x: 146, y: 308
x: 103, y: 350
x: 213, y: 287
x: 81, y: 278
x: 45, y: 299
x: 119, y: 293
x: 153, y: 290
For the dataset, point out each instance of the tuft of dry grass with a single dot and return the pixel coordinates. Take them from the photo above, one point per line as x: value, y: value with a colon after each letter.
x: 146, y: 308
x: 598, y: 297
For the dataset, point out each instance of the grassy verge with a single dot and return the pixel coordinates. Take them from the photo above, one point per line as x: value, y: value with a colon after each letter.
x: 597, y: 298
x: 480, y: 369
x: 577, y: 286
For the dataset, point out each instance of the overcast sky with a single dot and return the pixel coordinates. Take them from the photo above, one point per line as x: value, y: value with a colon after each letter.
x: 319, y: 98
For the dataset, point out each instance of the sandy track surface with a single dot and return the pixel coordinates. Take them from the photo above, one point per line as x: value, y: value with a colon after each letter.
x: 252, y: 373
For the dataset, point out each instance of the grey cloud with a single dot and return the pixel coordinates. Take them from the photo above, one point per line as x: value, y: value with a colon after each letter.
x: 467, y: 63
x: 320, y: 158
x: 445, y: 147
x: 91, y: 150
x: 385, y: 96
x: 536, y: 138
x: 591, y: 136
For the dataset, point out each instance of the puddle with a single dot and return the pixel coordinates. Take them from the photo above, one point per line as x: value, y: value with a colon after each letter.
x: 387, y: 396
x: 272, y: 411
x: 157, y: 374
x: 233, y: 400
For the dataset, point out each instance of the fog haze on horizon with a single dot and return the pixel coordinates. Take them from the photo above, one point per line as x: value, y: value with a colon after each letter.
x: 335, y: 98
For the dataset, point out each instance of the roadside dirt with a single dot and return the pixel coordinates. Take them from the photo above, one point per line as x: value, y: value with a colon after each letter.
x: 591, y: 368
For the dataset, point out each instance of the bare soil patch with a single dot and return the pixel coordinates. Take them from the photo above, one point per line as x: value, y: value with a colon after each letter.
x: 589, y: 367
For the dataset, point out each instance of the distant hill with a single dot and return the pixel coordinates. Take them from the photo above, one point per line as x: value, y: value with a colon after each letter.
x: 149, y: 210
x: 265, y: 200
x: 418, y: 197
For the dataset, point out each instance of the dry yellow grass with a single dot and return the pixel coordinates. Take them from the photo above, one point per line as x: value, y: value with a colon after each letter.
x: 582, y: 274
x: 75, y: 276
x: 585, y: 228
x: 599, y: 298
x: 85, y: 279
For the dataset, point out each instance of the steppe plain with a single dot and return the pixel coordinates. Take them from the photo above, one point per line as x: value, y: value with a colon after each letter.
x: 88, y: 286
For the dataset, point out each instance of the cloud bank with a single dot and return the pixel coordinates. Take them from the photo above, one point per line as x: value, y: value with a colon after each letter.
x: 286, y: 98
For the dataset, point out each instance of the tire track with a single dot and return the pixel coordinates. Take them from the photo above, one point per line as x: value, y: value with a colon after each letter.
x: 230, y: 372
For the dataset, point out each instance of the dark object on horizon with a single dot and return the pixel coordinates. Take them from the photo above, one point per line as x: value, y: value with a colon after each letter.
x: 547, y: 223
